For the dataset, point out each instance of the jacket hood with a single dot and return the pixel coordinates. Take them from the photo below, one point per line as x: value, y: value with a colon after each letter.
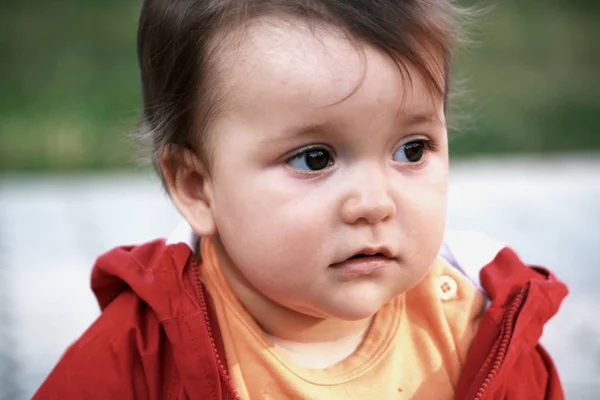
x: 154, y: 271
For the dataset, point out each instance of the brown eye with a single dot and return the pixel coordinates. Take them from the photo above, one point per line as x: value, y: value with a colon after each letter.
x: 411, y: 152
x: 311, y: 160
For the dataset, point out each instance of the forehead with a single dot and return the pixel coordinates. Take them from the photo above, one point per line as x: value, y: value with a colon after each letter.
x: 289, y: 65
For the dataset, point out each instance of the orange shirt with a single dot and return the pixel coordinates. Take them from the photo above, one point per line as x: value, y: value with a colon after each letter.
x: 415, y: 348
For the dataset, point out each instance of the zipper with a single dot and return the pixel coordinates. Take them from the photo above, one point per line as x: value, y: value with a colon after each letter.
x: 498, y: 353
x: 204, y: 306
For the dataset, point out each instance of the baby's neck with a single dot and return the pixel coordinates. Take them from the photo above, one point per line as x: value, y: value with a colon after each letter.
x: 292, y: 326
x: 307, y: 341
x: 322, y: 345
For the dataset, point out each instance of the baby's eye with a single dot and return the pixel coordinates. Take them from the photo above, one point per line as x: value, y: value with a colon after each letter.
x: 411, y: 152
x: 314, y: 159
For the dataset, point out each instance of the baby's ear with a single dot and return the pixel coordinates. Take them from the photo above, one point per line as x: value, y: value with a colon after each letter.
x: 190, y: 188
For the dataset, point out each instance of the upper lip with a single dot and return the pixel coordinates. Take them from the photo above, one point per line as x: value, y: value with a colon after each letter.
x: 370, y: 251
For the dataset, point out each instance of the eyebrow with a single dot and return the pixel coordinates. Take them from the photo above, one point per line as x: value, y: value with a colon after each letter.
x: 421, y: 118
x: 310, y: 130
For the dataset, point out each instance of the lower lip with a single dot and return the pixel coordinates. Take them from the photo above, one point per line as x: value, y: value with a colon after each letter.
x: 362, y: 266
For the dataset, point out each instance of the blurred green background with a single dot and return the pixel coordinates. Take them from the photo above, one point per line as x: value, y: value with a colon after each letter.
x: 69, y: 84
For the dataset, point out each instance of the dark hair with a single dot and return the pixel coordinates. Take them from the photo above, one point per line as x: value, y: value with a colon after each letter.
x: 179, y: 40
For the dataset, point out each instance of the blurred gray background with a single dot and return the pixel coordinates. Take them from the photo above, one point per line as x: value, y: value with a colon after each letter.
x: 526, y: 166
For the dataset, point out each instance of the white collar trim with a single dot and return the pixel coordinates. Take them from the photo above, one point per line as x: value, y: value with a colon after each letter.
x: 183, y: 233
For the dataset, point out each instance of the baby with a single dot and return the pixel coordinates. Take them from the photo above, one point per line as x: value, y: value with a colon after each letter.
x: 305, y: 144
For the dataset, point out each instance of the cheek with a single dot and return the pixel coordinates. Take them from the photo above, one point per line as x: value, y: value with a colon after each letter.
x: 275, y: 236
x: 424, y: 211
x: 264, y: 216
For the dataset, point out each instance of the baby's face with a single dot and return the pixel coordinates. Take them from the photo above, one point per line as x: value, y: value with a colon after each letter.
x: 323, y: 152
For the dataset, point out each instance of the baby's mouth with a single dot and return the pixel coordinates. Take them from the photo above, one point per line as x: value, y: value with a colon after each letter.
x: 363, y: 264
x: 366, y: 256
x: 363, y: 255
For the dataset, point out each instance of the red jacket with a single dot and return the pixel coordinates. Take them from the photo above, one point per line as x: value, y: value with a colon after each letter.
x: 157, y: 337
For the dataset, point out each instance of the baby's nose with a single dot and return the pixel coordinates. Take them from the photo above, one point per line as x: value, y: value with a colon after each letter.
x: 370, y: 199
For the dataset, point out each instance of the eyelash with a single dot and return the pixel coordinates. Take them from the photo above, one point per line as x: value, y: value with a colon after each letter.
x: 428, y: 146
x: 305, y: 151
